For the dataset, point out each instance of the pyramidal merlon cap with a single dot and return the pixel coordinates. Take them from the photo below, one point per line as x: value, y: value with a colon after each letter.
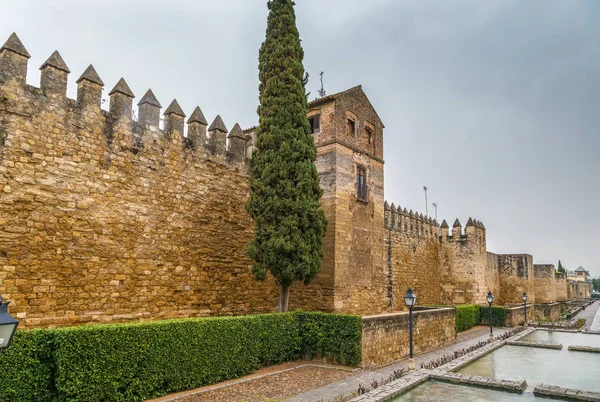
x: 218, y: 125
x: 150, y: 99
x: 456, y: 223
x: 91, y: 75
x: 444, y: 224
x: 237, y: 132
x: 123, y: 88
x: 470, y: 222
x: 56, y: 61
x: 197, y: 117
x: 174, y: 108
x: 14, y: 43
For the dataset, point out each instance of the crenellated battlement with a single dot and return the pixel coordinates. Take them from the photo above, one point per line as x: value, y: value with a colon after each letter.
x: 409, y: 222
x: 415, y: 224
x: 474, y: 229
x: 119, y: 124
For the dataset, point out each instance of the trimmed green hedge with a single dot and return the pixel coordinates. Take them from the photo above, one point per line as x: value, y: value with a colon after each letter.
x: 337, y: 338
x: 498, y: 315
x: 467, y: 316
x: 26, y: 367
x: 595, y: 295
x: 133, y: 362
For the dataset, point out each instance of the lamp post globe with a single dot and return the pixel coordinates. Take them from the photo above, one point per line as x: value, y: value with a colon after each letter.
x: 8, y: 325
x: 490, y: 300
x: 410, y: 299
x: 525, y: 308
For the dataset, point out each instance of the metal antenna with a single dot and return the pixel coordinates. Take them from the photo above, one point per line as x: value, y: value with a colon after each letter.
x: 435, y: 205
x: 426, y: 205
x: 322, y: 90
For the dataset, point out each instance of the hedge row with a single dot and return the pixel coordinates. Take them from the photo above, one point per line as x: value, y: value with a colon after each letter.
x: 134, y: 362
x: 498, y: 315
x: 595, y: 295
x: 467, y: 316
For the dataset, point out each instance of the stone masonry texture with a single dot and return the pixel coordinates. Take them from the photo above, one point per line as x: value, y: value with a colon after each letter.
x: 105, y: 218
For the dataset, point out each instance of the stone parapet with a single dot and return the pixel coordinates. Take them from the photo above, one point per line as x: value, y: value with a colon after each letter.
x: 386, y: 336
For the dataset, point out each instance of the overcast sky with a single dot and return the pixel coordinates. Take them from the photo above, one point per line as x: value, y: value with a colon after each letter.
x: 495, y: 105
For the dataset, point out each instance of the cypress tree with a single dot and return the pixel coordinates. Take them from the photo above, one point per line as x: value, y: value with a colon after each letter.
x: 560, y: 267
x: 284, y: 187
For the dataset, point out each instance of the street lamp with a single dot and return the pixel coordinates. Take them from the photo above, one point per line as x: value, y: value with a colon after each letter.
x: 490, y: 300
x: 525, y: 306
x: 8, y: 325
x: 410, y: 299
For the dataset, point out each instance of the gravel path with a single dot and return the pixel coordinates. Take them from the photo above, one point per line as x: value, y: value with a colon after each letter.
x: 275, y: 387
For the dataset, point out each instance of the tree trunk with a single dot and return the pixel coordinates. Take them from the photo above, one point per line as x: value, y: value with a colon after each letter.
x: 284, y: 295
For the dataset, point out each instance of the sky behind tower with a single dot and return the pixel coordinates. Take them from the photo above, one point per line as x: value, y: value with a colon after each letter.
x: 495, y: 106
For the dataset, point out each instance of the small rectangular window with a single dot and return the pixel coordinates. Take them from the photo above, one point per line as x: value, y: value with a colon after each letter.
x: 350, y: 127
x: 361, y: 183
x: 315, y: 124
x: 369, y: 133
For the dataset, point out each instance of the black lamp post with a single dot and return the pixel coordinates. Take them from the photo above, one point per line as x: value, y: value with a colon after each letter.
x: 525, y: 306
x: 8, y: 325
x: 490, y: 300
x: 410, y: 299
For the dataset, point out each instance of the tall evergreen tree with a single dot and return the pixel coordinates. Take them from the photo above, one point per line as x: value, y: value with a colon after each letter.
x: 284, y: 188
x: 560, y: 267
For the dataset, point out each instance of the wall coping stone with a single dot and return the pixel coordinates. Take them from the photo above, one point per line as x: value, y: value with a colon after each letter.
x: 432, y: 310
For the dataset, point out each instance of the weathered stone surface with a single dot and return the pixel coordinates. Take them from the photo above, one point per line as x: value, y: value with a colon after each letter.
x: 565, y: 393
x: 544, y: 276
x: 385, y: 337
x: 535, y: 345
x: 580, y: 348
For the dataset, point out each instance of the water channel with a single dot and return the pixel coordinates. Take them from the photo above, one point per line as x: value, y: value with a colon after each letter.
x: 441, y: 391
x: 578, y: 370
x: 564, y: 338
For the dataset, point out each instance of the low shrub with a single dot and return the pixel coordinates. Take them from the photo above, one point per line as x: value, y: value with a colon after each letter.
x: 334, y: 337
x: 498, y: 315
x: 467, y: 316
x: 26, y: 367
x: 138, y: 361
x: 595, y: 295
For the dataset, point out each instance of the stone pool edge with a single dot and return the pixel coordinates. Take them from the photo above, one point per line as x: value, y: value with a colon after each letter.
x: 417, y: 377
x: 565, y: 393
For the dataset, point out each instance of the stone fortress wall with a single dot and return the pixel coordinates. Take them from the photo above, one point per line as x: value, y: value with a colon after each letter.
x: 107, y: 218
x: 103, y: 218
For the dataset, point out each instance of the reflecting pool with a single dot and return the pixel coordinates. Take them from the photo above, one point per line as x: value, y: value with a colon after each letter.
x: 441, y: 391
x: 565, y: 338
x: 578, y: 370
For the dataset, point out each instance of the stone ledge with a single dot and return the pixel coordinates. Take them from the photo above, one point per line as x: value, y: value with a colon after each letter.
x: 566, y: 393
x: 394, y: 388
x: 535, y: 345
x: 487, y: 382
x: 581, y: 348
